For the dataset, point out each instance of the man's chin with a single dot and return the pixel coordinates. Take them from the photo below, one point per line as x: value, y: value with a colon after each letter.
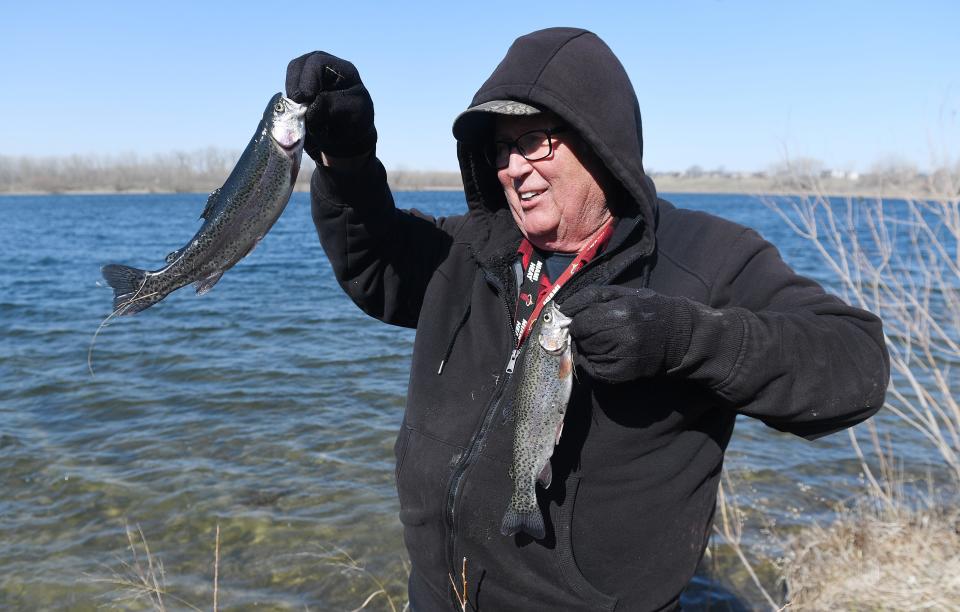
x: 545, y: 241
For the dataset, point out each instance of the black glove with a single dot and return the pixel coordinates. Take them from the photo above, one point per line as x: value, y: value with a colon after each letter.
x: 339, y: 117
x: 623, y: 334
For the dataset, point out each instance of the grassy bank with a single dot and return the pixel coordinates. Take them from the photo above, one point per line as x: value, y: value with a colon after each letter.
x: 892, y: 557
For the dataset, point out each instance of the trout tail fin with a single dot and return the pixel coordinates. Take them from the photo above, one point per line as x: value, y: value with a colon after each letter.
x: 530, y: 521
x: 127, y: 283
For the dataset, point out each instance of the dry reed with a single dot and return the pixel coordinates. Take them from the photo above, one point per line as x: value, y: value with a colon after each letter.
x: 462, y: 599
x: 339, y: 558
x: 142, y: 580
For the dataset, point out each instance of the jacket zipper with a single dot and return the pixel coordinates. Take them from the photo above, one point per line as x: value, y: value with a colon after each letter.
x: 466, y: 459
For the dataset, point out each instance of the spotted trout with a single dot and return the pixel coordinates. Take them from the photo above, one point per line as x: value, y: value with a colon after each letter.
x: 237, y: 215
x: 543, y: 379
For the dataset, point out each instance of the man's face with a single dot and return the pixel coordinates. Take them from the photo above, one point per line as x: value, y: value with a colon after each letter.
x: 556, y: 202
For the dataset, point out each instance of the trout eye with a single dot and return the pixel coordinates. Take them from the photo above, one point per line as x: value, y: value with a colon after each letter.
x: 547, y: 317
x: 278, y: 107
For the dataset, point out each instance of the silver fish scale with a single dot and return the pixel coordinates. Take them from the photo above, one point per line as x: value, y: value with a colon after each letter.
x: 539, y: 405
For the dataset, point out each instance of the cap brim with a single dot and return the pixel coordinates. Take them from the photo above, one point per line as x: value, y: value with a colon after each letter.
x: 476, y: 121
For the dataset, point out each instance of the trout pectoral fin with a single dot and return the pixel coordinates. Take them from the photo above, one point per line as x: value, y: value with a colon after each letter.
x: 546, y: 475
x: 566, y: 366
x: 206, y: 284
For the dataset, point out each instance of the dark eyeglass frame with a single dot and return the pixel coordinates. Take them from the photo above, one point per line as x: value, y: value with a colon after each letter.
x: 490, y: 149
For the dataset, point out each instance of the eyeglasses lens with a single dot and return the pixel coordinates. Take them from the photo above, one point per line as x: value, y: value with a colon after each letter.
x: 532, y: 146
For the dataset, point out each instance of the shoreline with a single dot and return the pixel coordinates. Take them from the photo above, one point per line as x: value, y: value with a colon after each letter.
x: 760, y: 185
x: 663, y: 187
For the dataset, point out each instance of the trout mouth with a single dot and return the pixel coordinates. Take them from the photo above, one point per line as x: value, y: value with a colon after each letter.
x: 554, y: 346
x: 288, y: 138
x: 291, y: 147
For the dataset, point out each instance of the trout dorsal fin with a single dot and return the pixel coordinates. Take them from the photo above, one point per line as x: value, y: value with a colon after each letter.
x: 211, y: 204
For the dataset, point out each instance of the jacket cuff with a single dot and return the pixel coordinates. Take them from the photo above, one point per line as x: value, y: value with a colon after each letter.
x: 350, y: 188
x: 716, y: 345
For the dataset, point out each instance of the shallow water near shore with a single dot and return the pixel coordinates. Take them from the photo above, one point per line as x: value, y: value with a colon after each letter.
x: 268, y: 406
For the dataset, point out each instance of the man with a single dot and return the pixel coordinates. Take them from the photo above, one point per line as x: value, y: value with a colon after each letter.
x: 681, y: 321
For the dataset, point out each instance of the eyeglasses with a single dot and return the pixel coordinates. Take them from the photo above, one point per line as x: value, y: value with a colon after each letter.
x: 533, y: 146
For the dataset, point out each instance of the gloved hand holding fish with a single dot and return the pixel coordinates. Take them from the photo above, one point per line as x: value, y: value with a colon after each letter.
x: 237, y: 215
x: 340, y: 110
x: 543, y: 380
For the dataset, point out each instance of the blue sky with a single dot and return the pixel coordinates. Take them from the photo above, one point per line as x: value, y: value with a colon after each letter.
x: 721, y: 83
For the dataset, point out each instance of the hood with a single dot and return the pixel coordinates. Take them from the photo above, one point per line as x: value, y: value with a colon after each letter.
x: 574, y: 74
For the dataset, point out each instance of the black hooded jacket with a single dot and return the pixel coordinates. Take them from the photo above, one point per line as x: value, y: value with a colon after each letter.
x: 635, y: 474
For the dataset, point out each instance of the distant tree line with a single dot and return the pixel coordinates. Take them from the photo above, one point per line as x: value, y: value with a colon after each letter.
x: 803, y: 174
x: 181, y: 171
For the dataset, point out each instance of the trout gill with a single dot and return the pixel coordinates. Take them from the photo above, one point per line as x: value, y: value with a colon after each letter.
x: 543, y: 381
x: 236, y: 217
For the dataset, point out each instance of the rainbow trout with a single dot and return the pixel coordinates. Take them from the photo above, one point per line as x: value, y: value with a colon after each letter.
x: 236, y: 217
x: 543, y: 380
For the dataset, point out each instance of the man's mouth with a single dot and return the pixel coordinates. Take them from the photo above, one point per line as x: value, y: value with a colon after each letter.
x: 526, y: 196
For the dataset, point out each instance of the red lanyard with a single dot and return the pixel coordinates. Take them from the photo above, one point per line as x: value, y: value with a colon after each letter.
x: 536, y: 282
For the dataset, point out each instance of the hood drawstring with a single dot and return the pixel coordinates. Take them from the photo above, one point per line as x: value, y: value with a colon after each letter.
x: 453, y: 338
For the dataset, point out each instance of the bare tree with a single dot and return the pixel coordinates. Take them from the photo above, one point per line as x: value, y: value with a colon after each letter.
x: 797, y: 174
x: 900, y: 260
x: 893, y: 172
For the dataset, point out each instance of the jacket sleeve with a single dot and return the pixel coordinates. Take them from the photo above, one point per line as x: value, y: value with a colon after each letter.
x: 382, y: 257
x: 777, y: 347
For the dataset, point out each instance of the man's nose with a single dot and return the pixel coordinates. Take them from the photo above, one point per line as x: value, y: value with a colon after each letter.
x: 517, y: 165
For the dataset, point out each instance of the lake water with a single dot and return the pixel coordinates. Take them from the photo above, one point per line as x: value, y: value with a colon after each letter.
x: 268, y: 406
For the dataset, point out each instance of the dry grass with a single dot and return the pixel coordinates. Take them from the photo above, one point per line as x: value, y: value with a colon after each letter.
x: 341, y: 559
x: 881, y: 558
x: 142, y: 581
x: 383, y: 592
x: 728, y: 527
